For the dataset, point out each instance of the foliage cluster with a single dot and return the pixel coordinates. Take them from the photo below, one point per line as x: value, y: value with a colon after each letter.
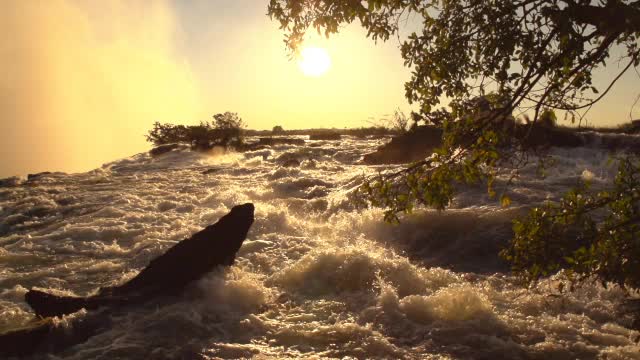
x: 225, y: 130
x: 590, y: 233
x: 477, y: 65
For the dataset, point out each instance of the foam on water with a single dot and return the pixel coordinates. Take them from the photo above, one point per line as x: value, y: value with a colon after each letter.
x: 315, y: 278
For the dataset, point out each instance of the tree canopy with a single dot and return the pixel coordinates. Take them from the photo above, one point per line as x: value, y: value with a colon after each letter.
x: 476, y: 65
x: 532, y: 54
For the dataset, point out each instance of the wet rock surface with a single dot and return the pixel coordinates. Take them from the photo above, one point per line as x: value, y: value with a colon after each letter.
x: 167, y: 274
x: 406, y: 148
x: 325, y: 136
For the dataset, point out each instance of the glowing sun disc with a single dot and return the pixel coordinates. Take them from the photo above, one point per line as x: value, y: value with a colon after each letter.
x: 314, y: 61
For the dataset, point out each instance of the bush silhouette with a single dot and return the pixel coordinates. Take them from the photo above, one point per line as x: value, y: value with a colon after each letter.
x: 225, y: 130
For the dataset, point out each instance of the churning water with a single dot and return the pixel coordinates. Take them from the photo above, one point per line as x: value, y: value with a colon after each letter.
x: 316, y: 278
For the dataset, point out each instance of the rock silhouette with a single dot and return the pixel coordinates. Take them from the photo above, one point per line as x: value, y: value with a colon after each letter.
x: 325, y: 136
x: 167, y: 274
x: 420, y: 143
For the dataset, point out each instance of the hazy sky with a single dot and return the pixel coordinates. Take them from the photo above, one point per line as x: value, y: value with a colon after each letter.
x: 82, y: 81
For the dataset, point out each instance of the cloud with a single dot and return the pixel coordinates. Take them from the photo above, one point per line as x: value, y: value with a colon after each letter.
x: 81, y: 82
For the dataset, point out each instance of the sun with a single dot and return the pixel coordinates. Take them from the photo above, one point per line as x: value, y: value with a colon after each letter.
x: 314, y: 61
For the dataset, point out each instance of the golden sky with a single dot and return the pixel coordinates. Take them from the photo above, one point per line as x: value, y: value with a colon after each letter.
x: 83, y: 81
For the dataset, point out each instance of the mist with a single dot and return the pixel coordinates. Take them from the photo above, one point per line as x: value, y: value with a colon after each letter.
x: 83, y: 81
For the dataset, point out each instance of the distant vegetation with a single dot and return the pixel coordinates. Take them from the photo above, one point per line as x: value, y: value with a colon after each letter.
x: 226, y: 130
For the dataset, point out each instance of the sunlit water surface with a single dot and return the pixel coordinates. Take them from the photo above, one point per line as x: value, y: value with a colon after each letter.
x: 316, y: 277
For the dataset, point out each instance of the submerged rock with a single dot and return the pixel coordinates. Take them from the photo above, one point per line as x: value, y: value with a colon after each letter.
x: 211, y: 171
x: 48, y: 335
x: 167, y: 274
x: 289, y: 159
x: 21, y: 341
x: 267, y: 142
x: 325, y: 136
x: 250, y: 147
x: 291, y: 163
x: 631, y: 309
x: 37, y: 176
x: 271, y: 141
x: 31, y: 177
x: 163, y: 149
x: 543, y: 136
x: 10, y: 181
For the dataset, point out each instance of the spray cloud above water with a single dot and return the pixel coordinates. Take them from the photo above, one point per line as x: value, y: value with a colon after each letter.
x: 82, y: 81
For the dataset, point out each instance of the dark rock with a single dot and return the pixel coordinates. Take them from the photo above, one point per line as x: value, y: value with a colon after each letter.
x: 325, y: 136
x: 32, y: 177
x: 65, y: 201
x: 251, y: 147
x: 631, y: 128
x: 266, y: 142
x: 375, y: 137
x: 211, y: 171
x: 406, y: 148
x: 21, y: 342
x: 168, y: 274
x: 37, y: 176
x: 14, y: 219
x: 39, y: 211
x: 163, y: 149
x: 617, y: 142
x: 291, y: 163
x: 10, y: 181
x: 272, y: 141
x: 47, y: 335
x: 630, y: 309
x: 543, y: 136
x: 421, y: 142
x: 289, y: 159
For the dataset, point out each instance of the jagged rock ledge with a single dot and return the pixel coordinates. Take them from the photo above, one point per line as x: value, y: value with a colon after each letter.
x: 165, y: 276
x: 262, y: 143
x: 422, y: 141
x: 406, y: 148
x: 325, y: 136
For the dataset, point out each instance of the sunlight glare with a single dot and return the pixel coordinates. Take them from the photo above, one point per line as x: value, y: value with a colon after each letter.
x: 314, y: 61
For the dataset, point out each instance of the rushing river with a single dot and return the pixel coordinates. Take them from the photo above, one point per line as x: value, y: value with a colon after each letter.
x: 316, y: 277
